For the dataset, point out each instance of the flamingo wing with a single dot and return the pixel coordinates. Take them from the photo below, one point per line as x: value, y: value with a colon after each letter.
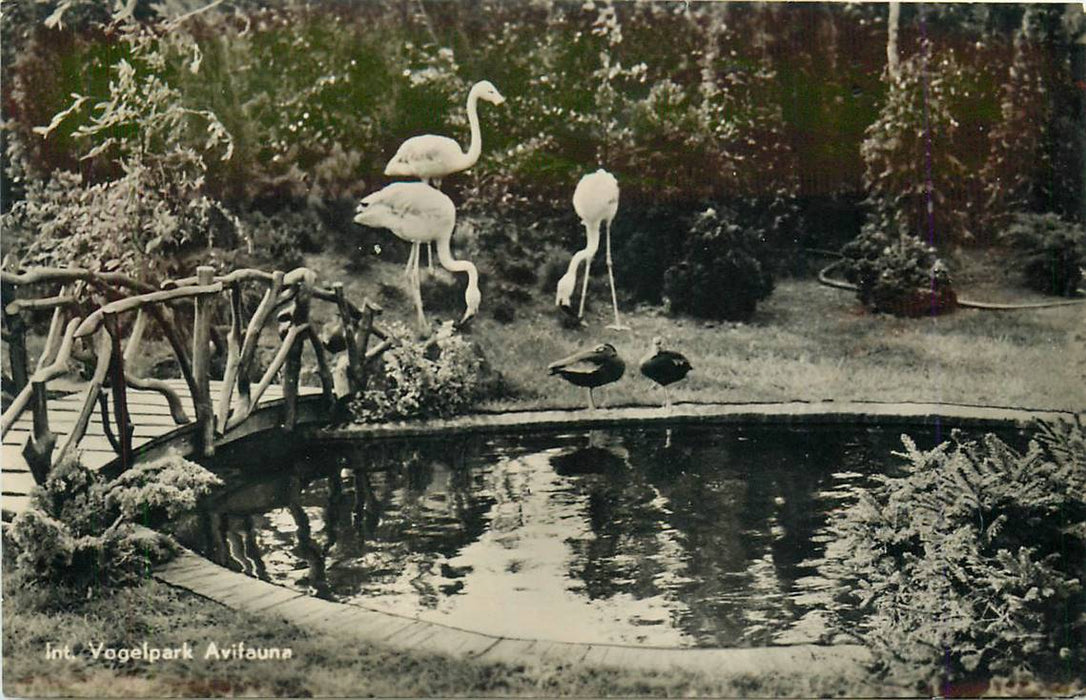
x: 404, y: 207
x: 425, y: 156
x: 596, y: 196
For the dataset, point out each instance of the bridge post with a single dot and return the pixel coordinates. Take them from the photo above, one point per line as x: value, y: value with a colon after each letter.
x: 350, y: 334
x: 293, y: 366
x: 125, y: 429
x: 201, y: 363
x: 15, y: 327
x: 38, y: 451
x: 233, y: 357
x: 369, y: 311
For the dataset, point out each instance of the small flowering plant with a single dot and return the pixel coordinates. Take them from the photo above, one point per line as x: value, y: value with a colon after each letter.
x: 78, y: 533
x: 433, y: 378
x: 898, y: 275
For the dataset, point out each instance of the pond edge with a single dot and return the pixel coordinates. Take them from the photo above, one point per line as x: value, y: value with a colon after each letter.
x: 788, y: 412
x: 193, y: 573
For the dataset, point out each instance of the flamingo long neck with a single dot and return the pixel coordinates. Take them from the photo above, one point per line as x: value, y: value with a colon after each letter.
x: 592, y: 231
x: 444, y: 256
x: 475, y: 148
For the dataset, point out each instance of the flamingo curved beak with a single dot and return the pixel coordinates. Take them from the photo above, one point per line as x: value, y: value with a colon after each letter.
x: 465, y: 321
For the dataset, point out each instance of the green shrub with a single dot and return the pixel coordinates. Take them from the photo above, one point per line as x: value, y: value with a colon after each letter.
x: 914, y: 174
x: 970, y: 563
x: 433, y: 378
x: 1050, y: 252
x: 145, y: 146
x: 278, y: 241
x: 136, y: 224
x: 1017, y: 161
x: 78, y: 532
x: 724, y: 271
x: 902, y: 276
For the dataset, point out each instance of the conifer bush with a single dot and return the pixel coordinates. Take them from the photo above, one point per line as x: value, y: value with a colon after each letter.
x: 1050, y: 252
x: 725, y: 269
x: 902, y: 276
x: 915, y: 177
x: 969, y: 564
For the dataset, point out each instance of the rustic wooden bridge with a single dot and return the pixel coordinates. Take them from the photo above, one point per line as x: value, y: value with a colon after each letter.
x: 101, y: 319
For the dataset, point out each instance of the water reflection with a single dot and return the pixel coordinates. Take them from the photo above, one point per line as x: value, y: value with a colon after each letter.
x: 701, y: 537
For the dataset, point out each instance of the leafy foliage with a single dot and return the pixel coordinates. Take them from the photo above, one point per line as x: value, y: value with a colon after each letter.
x: 724, y: 272
x: 139, y: 223
x: 902, y: 276
x: 1017, y: 159
x: 970, y: 563
x: 78, y: 532
x: 168, y: 486
x: 151, y: 145
x: 435, y: 378
x: 1051, y: 252
x: 913, y: 174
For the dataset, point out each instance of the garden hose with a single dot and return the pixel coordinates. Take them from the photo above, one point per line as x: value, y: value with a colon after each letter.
x: 824, y: 278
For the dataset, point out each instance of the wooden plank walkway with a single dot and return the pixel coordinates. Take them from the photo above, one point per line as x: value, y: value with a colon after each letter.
x: 356, y: 623
x: 150, y: 416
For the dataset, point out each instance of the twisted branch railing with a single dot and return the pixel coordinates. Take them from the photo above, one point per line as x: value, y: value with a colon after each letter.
x: 86, y: 325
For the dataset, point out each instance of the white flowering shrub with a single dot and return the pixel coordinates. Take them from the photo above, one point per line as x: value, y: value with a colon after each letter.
x: 78, y: 534
x: 434, y: 378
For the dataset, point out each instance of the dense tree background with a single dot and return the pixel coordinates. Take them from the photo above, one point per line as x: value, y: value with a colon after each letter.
x: 212, y: 119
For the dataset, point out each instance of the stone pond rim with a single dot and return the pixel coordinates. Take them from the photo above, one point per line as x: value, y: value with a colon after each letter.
x: 827, y: 412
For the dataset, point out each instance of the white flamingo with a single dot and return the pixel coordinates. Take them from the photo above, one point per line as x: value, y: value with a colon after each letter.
x: 430, y: 157
x: 596, y: 201
x: 418, y: 213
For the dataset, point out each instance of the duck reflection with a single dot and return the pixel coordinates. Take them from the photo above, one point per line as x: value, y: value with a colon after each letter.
x: 604, y: 453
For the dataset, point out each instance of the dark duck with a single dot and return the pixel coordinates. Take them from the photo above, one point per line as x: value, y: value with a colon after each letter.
x: 665, y: 367
x: 590, y: 368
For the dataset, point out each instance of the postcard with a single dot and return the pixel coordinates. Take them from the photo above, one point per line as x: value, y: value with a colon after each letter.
x: 543, y: 348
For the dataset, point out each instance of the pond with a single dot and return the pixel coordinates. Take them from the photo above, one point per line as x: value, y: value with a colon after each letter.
x: 685, y: 536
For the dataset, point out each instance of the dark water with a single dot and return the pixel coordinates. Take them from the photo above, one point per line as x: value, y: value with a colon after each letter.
x: 701, y: 536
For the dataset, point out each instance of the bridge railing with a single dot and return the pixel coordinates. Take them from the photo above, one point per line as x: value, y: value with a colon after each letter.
x: 86, y: 325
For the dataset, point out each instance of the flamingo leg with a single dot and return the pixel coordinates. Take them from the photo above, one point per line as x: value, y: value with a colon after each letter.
x: 584, y: 287
x: 591, y: 401
x: 418, y: 288
x: 434, y: 182
x: 667, y: 399
x: 617, y: 325
x: 411, y: 260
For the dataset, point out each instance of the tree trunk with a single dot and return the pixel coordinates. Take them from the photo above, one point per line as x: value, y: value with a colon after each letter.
x: 891, y: 39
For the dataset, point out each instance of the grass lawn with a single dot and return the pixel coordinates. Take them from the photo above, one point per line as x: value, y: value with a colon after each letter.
x: 806, y: 342
x: 322, y: 665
